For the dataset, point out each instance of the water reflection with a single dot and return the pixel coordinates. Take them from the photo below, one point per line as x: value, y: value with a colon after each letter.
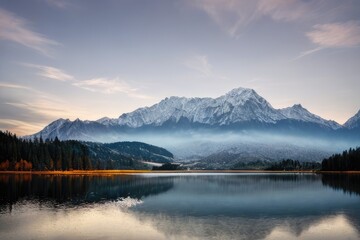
x: 348, y: 183
x: 172, y: 206
x: 75, y: 190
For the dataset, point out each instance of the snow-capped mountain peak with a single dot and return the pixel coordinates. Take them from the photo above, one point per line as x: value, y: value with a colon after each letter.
x: 298, y: 112
x: 238, y: 107
x: 353, y: 122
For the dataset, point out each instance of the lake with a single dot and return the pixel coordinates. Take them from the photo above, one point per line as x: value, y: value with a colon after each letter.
x: 180, y: 206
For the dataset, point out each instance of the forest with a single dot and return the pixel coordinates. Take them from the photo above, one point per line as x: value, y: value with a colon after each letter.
x: 46, y: 155
x: 349, y: 160
x: 23, y: 155
x: 294, y: 165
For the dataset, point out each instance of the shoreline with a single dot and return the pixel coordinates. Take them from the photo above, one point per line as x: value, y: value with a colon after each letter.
x: 129, y: 172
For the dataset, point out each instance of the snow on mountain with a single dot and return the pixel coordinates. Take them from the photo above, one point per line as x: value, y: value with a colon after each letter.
x: 298, y: 112
x: 53, y: 129
x: 240, y: 105
x: 65, y: 129
x: 107, y: 121
x: 353, y: 122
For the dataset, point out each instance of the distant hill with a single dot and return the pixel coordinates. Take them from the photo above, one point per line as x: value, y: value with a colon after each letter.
x: 133, y: 150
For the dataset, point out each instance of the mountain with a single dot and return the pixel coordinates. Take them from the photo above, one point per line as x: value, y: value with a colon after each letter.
x: 195, y: 128
x: 65, y: 129
x: 239, y: 107
x: 297, y: 112
x: 353, y: 122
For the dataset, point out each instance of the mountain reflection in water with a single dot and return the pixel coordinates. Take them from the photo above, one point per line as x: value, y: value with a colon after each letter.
x: 192, y: 206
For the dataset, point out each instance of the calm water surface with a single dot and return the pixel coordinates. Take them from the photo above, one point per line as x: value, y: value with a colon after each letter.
x: 178, y: 206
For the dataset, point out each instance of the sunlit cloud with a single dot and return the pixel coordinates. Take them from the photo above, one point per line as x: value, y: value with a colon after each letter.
x: 105, y: 85
x: 15, y: 29
x: 26, y: 110
x: 41, y: 106
x: 334, y: 35
x: 19, y: 127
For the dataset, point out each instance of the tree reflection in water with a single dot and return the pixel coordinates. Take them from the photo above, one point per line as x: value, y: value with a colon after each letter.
x: 199, y: 206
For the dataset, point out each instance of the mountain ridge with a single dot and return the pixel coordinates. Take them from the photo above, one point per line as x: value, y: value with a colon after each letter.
x: 353, y: 122
x: 238, y: 106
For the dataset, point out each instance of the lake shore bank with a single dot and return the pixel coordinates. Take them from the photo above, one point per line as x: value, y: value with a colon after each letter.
x: 125, y: 172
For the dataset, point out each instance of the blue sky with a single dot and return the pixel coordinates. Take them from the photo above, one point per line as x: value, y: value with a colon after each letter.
x: 91, y: 59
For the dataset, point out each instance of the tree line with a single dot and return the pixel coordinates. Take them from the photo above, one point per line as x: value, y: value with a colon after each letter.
x: 23, y: 154
x: 349, y: 160
x: 294, y: 165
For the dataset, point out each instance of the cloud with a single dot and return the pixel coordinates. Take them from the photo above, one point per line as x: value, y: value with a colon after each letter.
x: 285, y: 10
x: 102, y: 84
x: 200, y: 64
x: 25, y: 110
x: 335, y: 35
x: 15, y: 86
x: 105, y: 85
x: 233, y: 15
x: 51, y: 72
x: 13, y: 28
x: 305, y: 53
x: 62, y: 4
x: 109, y: 86
x: 230, y: 15
x: 20, y: 127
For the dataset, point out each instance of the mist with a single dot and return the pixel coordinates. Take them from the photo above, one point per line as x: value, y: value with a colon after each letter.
x: 273, y: 146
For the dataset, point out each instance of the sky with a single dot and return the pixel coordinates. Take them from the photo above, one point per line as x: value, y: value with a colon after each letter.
x: 91, y: 59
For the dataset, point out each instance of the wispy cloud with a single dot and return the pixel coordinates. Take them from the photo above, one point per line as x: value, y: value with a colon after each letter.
x: 200, y: 64
x: 62, y: 4
x: 305, y: 53
x: 286, y: 10
x: 230, y: 15
x: 334, y: 35
x: 110, y: 86
x: 15, y: 29
x: 20, y: 127
x: 233, y: 15
x: 25, y: 110
x: 51, y: 72
x: 101, y: 85
x: 15, y: 86
x: 105, y: 85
